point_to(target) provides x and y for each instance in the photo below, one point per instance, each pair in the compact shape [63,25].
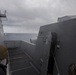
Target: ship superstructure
[53,53]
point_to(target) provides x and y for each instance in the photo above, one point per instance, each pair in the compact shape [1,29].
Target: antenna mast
[2,15]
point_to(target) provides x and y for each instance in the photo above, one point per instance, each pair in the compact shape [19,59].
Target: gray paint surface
[20,63]
[66,32]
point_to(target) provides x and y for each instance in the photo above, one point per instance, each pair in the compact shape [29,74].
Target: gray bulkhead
[66,54]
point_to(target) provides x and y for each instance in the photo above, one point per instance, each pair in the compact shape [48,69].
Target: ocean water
[20,36]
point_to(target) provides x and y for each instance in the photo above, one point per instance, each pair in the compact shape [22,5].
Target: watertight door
[45,56]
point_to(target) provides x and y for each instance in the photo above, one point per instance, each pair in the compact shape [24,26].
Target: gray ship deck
[20,63]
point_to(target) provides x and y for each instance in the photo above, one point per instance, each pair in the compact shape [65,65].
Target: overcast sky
[26,16]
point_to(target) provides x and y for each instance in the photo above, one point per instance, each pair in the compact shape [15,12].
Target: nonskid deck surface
[27,71]
[20,63]
[19,59]
[17,55]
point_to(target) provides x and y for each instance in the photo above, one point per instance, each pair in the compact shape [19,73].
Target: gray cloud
[29,15]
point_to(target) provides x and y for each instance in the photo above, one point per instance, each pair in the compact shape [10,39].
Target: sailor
[3,53]
[3,49]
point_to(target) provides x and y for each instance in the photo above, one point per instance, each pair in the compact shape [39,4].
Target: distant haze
[20,36]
